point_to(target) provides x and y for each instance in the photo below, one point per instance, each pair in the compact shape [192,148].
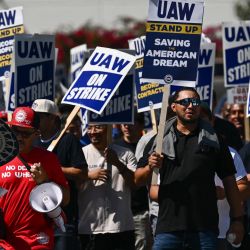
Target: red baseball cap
[23,117]
[3,115]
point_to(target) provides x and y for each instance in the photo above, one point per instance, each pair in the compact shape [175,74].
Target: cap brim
[19,125]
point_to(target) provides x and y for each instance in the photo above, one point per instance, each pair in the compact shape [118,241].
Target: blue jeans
[205,240]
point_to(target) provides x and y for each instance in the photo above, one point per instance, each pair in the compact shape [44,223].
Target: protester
[25,227]
[105,217]
[131,133]
[243,186]
[236,117]
[226,129]
[73,164]
[192,154]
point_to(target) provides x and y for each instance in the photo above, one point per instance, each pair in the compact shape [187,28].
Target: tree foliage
[242,9]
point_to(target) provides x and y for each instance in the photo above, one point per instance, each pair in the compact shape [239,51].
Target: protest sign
[173,34]
[237,95]
[146,93]
[236,53]
[34,68]
[120,108]
[99,79]
[205,74]
[77,59]
[11,23]
[205,78]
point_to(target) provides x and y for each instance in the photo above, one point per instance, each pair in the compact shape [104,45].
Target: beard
[188,121]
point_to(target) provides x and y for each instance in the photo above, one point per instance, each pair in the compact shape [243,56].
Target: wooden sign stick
[161,127]
[68,121]
[153,117]
[246,125]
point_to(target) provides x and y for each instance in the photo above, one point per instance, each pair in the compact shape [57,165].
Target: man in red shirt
[26,228]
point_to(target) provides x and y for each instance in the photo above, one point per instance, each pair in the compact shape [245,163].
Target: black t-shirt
[139,197]
[187,194]
[70,154]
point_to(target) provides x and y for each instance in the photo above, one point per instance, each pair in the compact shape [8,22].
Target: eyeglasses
[24,134]
[186,102]
[95,127]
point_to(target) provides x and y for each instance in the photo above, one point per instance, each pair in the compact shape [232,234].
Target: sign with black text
[173,34]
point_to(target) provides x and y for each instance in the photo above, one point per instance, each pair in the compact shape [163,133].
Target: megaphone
[46,198]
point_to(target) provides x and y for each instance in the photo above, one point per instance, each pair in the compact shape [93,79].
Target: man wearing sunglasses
[191,155]
[25,227]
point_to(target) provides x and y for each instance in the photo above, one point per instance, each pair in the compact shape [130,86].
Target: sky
[50,16]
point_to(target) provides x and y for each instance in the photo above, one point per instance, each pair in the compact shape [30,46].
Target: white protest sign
[77,60]
[11,23]
[99,79]
[173,37]
[236,53]
[237,95]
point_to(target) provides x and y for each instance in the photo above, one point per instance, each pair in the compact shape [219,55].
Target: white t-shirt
[105,207]
[223,206]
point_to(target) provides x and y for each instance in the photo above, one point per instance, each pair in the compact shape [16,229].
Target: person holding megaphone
[26,228]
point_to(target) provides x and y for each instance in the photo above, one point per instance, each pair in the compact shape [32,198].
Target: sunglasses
[23,134]
[186,102]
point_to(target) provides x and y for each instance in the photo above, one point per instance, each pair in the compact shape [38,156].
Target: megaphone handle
[24,163]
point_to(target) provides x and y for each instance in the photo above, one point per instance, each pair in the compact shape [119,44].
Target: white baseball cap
[45,106]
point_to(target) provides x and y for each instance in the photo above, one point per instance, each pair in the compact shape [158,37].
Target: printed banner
[236,53]
[173,34]
[34,68]
[99,79]
[205,74]
[77,59]
[237,95]
[11,23]
[146,93]
[120,108]
[205,78]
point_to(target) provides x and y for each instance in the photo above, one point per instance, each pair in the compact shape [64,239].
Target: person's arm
[40,176]
[112,158]
[153,192]
[143,175]
[236,208]
[74,173]
[244,188]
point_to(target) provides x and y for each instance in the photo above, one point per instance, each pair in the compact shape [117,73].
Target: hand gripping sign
[99,79]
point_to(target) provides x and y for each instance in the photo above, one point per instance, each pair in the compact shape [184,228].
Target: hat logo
[21,116]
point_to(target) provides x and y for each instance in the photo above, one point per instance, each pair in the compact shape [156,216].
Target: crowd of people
[199,202]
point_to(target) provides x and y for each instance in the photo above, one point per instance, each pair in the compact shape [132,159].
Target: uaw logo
[168,79]
[21,115]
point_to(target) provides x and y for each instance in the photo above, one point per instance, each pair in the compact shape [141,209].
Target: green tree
[242,9]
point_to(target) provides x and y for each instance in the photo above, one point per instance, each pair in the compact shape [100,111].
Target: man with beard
[191,155]
[105,217]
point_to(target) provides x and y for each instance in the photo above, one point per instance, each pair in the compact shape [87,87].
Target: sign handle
[246,123]
[161,127]
[153,117]
[68,121]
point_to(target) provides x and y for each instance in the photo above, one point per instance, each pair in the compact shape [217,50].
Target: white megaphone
[46,198]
